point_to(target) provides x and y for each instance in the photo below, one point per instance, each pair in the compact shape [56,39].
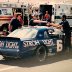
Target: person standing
[64,25]
[35,21]
[47,16]
[15,23]
[66,29]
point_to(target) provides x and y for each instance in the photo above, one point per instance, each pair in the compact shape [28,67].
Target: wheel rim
[41,53]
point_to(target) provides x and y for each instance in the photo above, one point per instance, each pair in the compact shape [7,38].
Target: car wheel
[41,53]
[5,57]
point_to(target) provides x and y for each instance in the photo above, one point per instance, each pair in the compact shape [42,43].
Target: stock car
[38,41]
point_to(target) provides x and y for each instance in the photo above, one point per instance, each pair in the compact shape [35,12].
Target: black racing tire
[41,53]
[5,57]
[8,58]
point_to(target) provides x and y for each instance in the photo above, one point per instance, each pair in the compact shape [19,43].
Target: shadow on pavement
[31,61]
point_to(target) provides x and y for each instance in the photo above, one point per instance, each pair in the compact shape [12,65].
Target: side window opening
[4,11]
[45,34]
[50,31]
[0,12]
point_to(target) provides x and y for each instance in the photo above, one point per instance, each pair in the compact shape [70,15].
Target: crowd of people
[40,19]
[63,25]
[34,19]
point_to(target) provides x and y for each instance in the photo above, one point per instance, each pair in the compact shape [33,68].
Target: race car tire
[5,57]
[41,53]
[10,58]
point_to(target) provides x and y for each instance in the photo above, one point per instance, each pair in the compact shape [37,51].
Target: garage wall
[39,1]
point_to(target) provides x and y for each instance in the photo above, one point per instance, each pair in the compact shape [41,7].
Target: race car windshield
[24,33]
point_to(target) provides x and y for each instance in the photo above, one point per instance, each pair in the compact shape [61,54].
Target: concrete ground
[59,63]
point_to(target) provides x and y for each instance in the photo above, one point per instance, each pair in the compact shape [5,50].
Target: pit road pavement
[59,63]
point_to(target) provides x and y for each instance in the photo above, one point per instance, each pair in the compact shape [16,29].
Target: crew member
[35,21]
[66,30]
[15,24]
[64,24]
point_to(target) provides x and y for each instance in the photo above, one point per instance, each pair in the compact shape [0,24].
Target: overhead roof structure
[37,2]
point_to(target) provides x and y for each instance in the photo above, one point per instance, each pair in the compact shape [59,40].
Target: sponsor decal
[9,44]
[37,42]
[2,43]
[48,42]
[12,45]
[31,43]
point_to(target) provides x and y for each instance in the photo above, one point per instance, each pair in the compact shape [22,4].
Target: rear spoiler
[9,38]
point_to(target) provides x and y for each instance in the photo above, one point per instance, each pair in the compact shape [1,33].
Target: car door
[43,36]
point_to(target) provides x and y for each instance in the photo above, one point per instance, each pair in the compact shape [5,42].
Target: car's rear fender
[9,46]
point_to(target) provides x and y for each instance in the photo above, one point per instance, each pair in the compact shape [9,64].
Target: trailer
[7,11]
[57,10]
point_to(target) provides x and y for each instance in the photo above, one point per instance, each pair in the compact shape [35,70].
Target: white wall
[39,1]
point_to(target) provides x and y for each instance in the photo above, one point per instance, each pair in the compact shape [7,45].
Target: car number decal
[59,45]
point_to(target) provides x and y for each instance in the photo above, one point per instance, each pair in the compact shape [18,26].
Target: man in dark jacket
[64,24]
[15,23]
[66,29]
